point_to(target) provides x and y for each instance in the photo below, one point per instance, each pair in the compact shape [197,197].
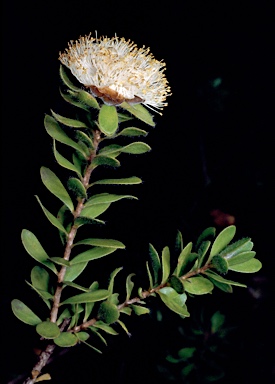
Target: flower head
[116,71]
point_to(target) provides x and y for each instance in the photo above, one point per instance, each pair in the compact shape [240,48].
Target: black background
[211,149]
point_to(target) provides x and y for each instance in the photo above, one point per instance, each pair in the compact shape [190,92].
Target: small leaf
[54,185]
[151,284]
[60,261]
[112,279]
[24,313]
[220,264]
[216,277]
[140,112]
[140,310]
[126,181]
[87,297]
[68,122]
[66,339]
[45,376]
[241,258]
[63,161]
[48,330]
[165,258]
[184,259]
[129,286]
[237,247]
[72,99]
[82,336]
[77,286]
[40,278]
[66,314]
[66,80]
[87,99]
[108,243]
[176,283]
[52,219]
[123,326]
[174,301]
[108,313]
[178,242]
[105,160]
[77,188]
[91,254]
[207,234]
[86,220]
[92,211]
[107,198]
[198,285]
[35,249]
[202,251]
[104,327]
[250,266]
[132,132]
[108,119]
[155,263]
[74,271]
[222,240]
[136,148]
[217,321]
[57,133]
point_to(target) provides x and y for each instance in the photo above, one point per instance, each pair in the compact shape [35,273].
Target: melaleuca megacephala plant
[116,81]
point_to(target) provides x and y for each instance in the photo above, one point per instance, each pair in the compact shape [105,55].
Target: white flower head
[116,71]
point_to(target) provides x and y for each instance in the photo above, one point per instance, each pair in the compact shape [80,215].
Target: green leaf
[89,306]
[85,139]
[66,314]
[86,220]
[176,283]
[66,339]
[183,259]
[77,188]
[92,211]
[217,321]
[53,220]
[77,286]
[87,297]
[24,313]
[46,296]
[82,336]
[186,353]
[241,258]
[220,279]
[104,327]
[60,261]
[250,266]
[126,310]
[71,98]
[123,326]
[48,330]
[140,310]
[54,185]
[91,254]
[222,240]
[40,278]
[109,243]
[136,148]
[108,119]
[112,150]
[105,160]
[202,251]
[61,160]
[107,198]
[57,133]
[140,112]
[128,181]
[108,313]
[207,234]
[151,284]
[178,242]
[87,99]
[237,247]
[122,117]
[165,258]
[112,279]
[174,301]
[198,285]
[35,249]
[220,264]
[74,271]
[66,80]
[129,286]
[155,263]
[132,132]
[68,122]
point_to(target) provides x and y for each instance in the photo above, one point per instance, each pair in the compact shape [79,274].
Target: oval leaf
[105,160]
[241,258]
[222,240]
[140,310]
[87,99]
[250,266]
[132,132]
[68,122]
[24,313]
[126,181]
[66,80]
[92,211]
[35,249]
[74,271]
[174,301]
[136,148]
[66,339]
[198,285]
[63,161]
[107,198]
[48,330]
[108,119]
[165,258]
[88,297]
[52,219]
[140,112]
[155,262]
[109,243]
[40,278]
[92,254]
[54,185]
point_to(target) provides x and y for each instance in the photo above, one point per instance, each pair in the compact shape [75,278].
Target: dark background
[211,150]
